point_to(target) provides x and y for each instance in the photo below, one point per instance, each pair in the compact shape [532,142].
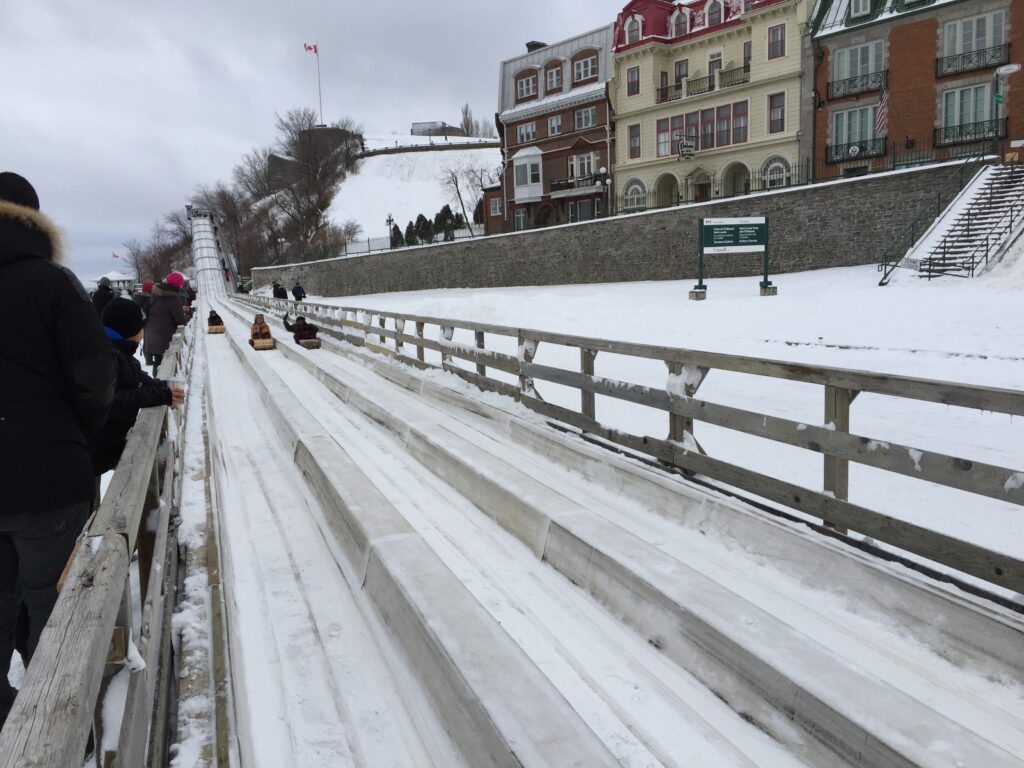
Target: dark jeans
[155,361]
[34,548]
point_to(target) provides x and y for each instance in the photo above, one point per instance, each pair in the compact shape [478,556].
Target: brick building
[936,62]
[706,97]
[555,134]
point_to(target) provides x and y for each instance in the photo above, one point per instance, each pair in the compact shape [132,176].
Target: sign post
[738,235]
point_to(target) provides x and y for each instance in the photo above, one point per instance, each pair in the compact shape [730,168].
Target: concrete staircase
[976,228]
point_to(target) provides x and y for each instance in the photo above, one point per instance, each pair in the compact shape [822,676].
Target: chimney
[535,45]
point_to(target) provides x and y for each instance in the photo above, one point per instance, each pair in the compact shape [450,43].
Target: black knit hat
[123,316]
[16,189]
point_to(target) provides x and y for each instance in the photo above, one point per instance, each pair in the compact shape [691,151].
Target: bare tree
[452,182]
[467,124]
[252,175]
[135,256]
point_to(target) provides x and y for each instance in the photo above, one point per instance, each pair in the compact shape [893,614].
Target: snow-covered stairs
[976,226]
[777,663]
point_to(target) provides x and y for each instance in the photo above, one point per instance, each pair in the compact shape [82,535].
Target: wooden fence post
[679,425]
[419,345]
[587,399]
[837,470]
[480,367]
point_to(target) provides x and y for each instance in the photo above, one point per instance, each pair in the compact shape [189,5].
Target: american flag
[883,111]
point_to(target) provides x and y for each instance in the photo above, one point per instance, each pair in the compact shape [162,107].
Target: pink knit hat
[175,280]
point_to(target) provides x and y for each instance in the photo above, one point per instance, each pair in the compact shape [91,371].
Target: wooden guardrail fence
[686,370]
[90,651]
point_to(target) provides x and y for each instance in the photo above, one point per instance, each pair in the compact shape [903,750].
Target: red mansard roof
[657,15]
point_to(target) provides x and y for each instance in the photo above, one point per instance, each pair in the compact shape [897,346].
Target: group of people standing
[71,388]
[278,291]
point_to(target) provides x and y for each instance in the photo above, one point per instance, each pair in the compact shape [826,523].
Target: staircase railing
[994,236]
[895,256]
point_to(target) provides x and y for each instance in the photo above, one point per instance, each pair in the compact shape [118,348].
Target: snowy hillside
[403,185]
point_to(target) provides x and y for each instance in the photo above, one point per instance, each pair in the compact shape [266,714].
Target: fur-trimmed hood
[27,232]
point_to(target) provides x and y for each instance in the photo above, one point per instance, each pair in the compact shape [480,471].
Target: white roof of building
[117,277]
[563,99]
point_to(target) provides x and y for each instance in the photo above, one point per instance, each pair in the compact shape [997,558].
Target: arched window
[634,195]
[714,13]
[775,173]
[678,25]
[633,30]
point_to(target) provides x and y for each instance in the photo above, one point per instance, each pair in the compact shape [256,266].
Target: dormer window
[585,69]
[633,30]
[713,13]
[554,79]
[678,25]
[860,8]
[526,86]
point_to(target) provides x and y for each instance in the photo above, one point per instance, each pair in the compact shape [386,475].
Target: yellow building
[706,99]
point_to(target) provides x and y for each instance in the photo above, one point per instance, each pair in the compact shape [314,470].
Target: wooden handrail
[835,441]
[87,639]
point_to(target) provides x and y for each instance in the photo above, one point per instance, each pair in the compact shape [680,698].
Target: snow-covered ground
[956,330]
[404,185]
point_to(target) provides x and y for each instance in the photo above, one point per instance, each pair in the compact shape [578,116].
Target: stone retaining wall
[835,224]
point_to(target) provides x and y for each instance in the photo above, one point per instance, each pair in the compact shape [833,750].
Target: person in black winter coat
[166,313]
[298,291]
[279,291]
[300,329]
[102,296]
[123,322]
[57,372]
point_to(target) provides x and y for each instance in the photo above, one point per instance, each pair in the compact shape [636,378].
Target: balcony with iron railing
[699,85]
[995,56]
[575,185]
[670,92]
[960,134]
[855,150]
[873,81]
[737,76]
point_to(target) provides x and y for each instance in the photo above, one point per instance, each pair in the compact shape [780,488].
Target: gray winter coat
[165,315]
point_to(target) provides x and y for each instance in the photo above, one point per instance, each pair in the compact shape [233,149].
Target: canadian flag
[312,48]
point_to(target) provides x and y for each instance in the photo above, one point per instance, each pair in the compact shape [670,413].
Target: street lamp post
[390,221]
[1002,75]
[604,180]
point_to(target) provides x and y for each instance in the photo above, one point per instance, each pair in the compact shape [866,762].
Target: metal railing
[873,81]
[959,134]
[965,264]
[700,85]
[855,150]
[895,255]
[577,182]
[408,338]
[670,92]
[737,76]
[972,60]
[90,636]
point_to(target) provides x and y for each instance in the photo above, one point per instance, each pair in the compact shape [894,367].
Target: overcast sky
[116,110]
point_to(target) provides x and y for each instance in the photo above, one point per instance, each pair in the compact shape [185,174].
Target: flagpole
[319,91]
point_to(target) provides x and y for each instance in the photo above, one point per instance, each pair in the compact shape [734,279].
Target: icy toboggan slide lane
[416,574]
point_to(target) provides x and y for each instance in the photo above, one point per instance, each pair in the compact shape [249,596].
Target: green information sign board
[736,235]
[998,98]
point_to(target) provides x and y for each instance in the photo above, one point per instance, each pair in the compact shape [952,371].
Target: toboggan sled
[262,343]
[310,343]
[215,329]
